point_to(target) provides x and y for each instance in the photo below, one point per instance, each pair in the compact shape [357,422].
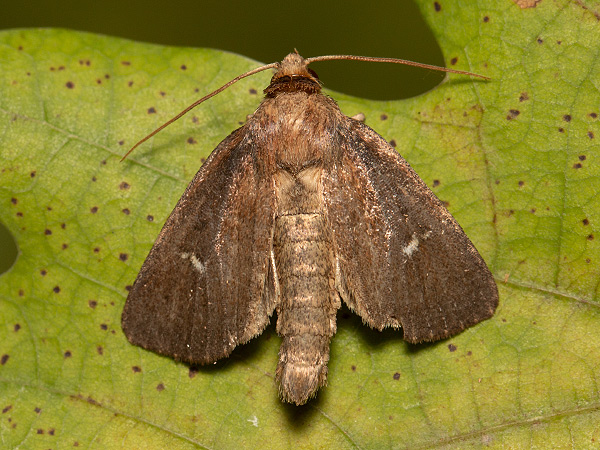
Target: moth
[299,209]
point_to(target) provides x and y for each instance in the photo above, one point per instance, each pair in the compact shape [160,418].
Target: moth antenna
[196,103]
[392,60]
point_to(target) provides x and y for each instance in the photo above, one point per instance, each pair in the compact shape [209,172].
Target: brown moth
[298,209]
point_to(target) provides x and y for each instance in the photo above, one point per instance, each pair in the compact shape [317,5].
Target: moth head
[292,75]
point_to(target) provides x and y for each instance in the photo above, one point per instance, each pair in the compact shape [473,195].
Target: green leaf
[515,158]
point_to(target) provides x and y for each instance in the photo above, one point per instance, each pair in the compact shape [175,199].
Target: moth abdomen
[308,304]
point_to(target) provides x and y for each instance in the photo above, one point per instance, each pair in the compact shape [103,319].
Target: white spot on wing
[412,246]
[201,268]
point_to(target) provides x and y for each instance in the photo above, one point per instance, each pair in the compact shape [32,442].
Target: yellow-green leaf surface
[516,159]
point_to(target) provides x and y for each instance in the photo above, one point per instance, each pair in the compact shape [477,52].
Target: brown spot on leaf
[585,221]
[92,303]
[486,19]
[192,372]
[452,347]
[123,256]
[590,134]
[4,359]
[567,117]
[561,130]
[393,143]
[40,431]
[593,115]
[160,387]
[396,376]
[590,237]
[47,232]
[37,410]
[14,201]
[524,4]
[383,117]
[521,183]
[577,166]
[252,91]
[436,183]
[56,289]
[437,6]
[150,218]
[126,211]
[191,140]
[453,61]
[151,110]
[126,63]
[124,185]
[582,157]
[103,326]
[524,96]
[100,350]
[17,327]
[136,369]
[512,113]
[94,209]
[96,250]
[70,85]
[21,293]
[65,246]
[6,409]
[540,41]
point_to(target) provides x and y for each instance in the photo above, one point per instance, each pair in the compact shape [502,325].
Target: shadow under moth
[298,209]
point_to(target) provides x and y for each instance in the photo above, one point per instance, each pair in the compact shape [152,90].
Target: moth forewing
[296,209]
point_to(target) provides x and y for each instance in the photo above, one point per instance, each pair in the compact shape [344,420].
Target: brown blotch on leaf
[582,157]
[151,110]
[32,174]
[393,143]
[123,256]
[4,359]
[150,218]
[136,369]
[521,183]
[96,250]
[94,209]
[56,289]
[37,410]
[103,326]
[532,210]
[160,387]
[192,372]
[453,61]
[70,85]
[524,96]
[126,211]
[540,41]
[452,347]
[65,246]
[21,293]
[593,115]
[566,117]
[14,201]
[191,140]
[577,166]
[585,221]
[396,376]
[47,232]
[94,178]
[124,185]
[17,327]
[40,431]
[252,91]
[121,142]
[524,4]
[437,6]
[92,303]
[486,19]
[6,409]
[383,117]
[68,354]
[590,237]
[100,350]
[128,287]
[130,83]
[63,225]
[590,134]
[436,183]
[51,431]
[512,113]
[561,130]
[126,63]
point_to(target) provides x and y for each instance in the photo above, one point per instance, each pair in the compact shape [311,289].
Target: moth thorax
[307,306]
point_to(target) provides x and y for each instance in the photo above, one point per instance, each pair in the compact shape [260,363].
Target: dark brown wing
[403,261]
[203,288]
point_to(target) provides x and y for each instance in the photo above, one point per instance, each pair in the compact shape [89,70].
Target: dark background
[262,30]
